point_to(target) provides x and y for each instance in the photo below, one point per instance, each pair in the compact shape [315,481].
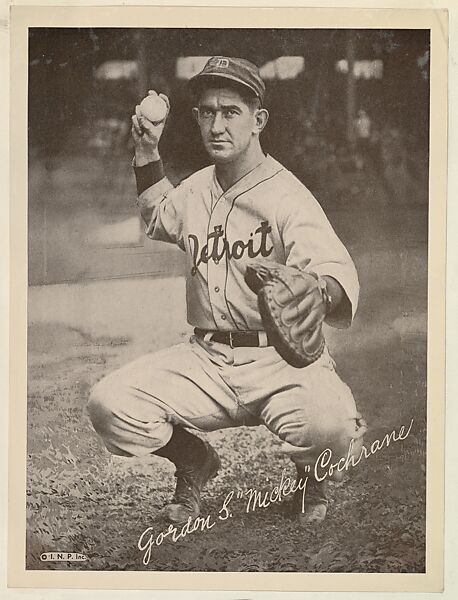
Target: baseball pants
[207,386]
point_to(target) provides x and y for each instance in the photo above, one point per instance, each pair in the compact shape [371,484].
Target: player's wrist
[148,174]
[143,158]
[325,295]
[331,292]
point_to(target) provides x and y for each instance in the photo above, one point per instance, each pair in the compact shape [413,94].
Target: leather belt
[235,339]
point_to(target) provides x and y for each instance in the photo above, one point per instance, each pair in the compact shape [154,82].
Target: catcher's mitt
[280,287]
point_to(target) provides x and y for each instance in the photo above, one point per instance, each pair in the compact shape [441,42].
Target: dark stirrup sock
[182,447]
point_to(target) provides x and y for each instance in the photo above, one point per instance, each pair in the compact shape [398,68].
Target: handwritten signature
[255,499]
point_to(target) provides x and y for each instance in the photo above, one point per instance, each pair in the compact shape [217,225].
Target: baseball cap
[239,70]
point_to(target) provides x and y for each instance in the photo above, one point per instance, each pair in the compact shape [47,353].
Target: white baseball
[153,108]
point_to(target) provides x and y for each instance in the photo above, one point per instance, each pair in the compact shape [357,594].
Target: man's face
[227,125]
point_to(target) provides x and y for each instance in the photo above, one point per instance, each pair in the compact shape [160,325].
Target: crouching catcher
[243,216]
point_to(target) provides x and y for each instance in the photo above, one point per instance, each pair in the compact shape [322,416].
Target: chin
[221,156]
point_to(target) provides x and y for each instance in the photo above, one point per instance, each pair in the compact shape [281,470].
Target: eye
[230,112]
[205,113]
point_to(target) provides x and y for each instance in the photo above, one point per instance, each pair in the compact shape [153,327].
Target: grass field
[80,498]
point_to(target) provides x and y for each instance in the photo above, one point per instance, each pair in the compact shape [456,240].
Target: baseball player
[244,206]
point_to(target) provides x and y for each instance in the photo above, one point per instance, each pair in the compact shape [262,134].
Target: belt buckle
[230,340]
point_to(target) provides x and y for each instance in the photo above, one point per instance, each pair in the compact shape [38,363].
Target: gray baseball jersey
[268,214]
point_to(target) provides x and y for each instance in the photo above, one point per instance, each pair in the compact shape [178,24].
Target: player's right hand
[146,135]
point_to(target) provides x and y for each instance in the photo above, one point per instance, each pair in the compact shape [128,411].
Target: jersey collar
[265,170]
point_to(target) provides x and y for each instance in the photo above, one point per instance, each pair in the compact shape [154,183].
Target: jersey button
[223,317]
[216,289]
[216,261]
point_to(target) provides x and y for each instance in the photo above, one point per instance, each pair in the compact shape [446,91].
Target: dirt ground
[82,499]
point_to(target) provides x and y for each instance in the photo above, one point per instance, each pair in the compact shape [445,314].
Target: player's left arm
[307,234]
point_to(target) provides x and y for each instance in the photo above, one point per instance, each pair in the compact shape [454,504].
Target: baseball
[153,108]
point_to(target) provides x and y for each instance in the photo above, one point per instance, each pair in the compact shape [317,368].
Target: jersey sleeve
[161,205]
[307,233]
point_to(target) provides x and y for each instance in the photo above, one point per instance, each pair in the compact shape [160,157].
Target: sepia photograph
[227,299]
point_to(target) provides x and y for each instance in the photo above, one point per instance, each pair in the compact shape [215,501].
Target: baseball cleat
[310,505]
[313,513]
[191,479]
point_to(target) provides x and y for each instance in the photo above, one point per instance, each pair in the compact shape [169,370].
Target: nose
[218,125]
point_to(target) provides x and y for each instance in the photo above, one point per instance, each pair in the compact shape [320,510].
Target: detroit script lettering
[217,246]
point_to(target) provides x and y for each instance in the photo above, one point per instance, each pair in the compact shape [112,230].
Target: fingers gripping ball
[153,108]
[280,289]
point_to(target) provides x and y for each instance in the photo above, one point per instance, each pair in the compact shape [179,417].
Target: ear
[195,113]
[262,116]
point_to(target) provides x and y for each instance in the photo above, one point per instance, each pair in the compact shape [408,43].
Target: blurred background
[349,116]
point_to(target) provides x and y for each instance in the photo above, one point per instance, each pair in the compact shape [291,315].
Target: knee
[126,426]
[324,431]
[333,431]
[102,405]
